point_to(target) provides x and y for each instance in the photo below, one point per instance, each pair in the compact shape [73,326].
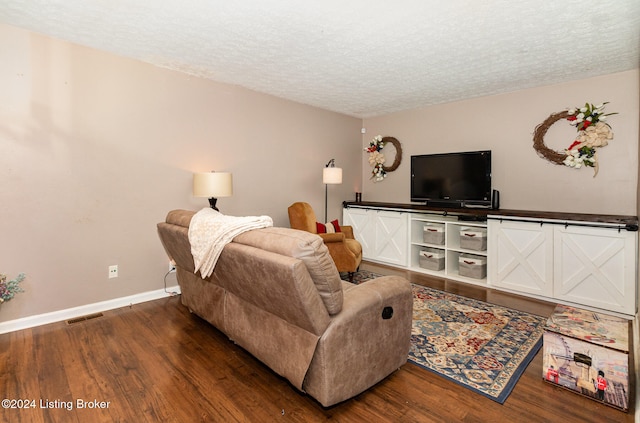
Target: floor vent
[83,318]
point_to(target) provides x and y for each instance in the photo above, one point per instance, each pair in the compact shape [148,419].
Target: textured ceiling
[358,57]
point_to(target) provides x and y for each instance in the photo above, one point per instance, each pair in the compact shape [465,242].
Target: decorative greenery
[593,132]
[588,115]
[578,157]
[9,289]
[377,159]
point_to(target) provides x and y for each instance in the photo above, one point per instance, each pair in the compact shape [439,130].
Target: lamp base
[212,203]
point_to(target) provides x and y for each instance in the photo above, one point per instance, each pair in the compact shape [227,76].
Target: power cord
[172,293]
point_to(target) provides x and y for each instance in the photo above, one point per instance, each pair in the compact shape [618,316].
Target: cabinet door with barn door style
[363,228]
[596,267]
[391,237]
[383,234]
[521,256]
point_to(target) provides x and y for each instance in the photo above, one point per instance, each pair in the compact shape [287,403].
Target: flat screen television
[452,179]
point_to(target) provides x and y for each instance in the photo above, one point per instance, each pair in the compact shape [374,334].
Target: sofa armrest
[364,343]
[332,237]
[348,231]
[366,302]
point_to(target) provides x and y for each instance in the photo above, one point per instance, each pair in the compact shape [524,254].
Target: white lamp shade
[212,184]
[332,175]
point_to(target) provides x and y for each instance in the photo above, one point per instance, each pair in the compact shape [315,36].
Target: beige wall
[505,124]
[95,149]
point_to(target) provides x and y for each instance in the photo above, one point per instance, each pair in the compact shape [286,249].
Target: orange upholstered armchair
[343,247]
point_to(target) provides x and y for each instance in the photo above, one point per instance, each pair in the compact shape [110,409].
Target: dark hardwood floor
[155,362]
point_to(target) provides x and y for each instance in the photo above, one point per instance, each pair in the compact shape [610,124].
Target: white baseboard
[70,313]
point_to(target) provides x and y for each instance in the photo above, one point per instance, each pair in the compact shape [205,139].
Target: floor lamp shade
[332,175]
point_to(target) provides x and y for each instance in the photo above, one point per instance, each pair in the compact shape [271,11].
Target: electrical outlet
[172,267]
[113,271]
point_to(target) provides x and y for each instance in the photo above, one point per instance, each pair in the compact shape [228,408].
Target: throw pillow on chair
[329,227]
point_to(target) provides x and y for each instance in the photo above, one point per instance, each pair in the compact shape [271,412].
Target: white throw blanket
[210,231]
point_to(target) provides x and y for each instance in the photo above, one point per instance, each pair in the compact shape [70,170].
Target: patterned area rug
[481,346]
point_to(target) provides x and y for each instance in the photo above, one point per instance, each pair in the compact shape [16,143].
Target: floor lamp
[330,175]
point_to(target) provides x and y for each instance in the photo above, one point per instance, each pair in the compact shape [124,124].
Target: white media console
[588,261]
